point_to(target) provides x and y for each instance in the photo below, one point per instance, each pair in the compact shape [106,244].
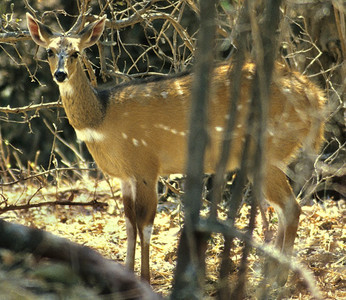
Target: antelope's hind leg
[279,194]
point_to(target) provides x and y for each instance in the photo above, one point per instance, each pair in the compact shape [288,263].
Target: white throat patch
[89,135]
[65,88]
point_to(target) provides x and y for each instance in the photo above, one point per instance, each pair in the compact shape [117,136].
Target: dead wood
[96,271]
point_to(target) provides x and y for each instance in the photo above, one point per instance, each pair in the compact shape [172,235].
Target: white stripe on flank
[89,135]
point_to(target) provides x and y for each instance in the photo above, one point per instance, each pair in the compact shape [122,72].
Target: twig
[138,16]
[175,190]
[340,25]
[51,203]
[179,29]
[30,107]
[14,37]
[231,231]
[42,174]
[30,8]
[74,150]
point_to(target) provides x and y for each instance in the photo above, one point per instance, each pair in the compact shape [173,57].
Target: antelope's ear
[40,33]
[91,33]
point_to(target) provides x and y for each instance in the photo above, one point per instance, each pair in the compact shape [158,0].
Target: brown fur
[140,131]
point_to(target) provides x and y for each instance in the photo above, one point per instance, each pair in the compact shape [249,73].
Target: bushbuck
[137,131]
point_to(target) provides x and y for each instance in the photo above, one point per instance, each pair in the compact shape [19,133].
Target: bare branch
[37,175]
[14,37]
[28,205]
[30,107]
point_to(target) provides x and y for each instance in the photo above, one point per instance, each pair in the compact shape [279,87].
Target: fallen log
[105,275]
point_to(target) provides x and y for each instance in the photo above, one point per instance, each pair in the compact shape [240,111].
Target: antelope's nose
[60,76]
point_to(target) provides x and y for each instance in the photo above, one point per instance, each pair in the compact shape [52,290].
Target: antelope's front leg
[145,208]
[128,189]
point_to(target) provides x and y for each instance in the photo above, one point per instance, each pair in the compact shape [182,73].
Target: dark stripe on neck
[103,95]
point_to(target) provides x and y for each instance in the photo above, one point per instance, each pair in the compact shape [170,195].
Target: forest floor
[319,247]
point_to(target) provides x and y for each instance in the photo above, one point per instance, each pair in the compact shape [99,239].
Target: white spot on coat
[179,89]
[219,129]
[162,126]
[124,135]
[135,142]
[167,128]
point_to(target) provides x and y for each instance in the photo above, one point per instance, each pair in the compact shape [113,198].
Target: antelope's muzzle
[60,74]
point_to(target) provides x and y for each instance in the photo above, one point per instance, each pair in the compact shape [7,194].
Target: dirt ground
[319,248]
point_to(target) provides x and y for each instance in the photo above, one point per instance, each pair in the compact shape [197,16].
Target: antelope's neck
[82,107]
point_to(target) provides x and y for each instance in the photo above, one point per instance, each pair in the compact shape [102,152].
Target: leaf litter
[319,247]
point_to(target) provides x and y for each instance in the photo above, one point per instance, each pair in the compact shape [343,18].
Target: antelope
[138,131]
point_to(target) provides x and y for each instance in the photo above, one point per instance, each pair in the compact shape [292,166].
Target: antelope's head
[63,49]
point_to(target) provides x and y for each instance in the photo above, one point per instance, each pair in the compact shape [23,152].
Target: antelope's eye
[74,54]
[50,52]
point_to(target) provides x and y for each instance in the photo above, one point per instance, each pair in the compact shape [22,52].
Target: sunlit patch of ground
[320,245]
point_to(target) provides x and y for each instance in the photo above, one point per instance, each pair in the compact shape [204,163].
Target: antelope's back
[295,117]
[147,122]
